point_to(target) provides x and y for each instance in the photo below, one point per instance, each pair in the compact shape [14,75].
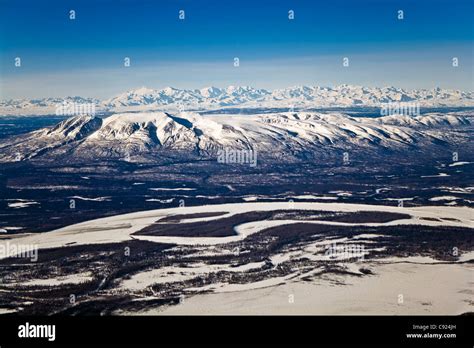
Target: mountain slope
[286,136]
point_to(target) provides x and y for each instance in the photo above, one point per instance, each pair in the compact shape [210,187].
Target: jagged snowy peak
[45,102]
[246,91]
[207,96]
[346,95]
[44,106]
[186,131]
[146,96]
[211,92]
[309,96]
[45,141]
[75,128]
[152,135]
[170,98]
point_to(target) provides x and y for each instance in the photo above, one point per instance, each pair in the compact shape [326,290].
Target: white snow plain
[119,228]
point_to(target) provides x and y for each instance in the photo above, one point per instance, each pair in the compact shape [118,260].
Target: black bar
[261,330]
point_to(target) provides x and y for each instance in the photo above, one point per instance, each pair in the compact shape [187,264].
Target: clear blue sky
[85,56]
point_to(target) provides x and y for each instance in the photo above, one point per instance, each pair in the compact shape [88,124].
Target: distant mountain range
[212,97]
[287,136]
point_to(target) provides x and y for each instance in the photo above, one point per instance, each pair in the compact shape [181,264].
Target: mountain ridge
[245,96]
[295,136]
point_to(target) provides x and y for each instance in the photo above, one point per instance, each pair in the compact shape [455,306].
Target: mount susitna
[285,136]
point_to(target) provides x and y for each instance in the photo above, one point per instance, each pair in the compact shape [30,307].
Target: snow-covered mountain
[209,96]
[306,96]
[42,106]
[155,136]
[302,97]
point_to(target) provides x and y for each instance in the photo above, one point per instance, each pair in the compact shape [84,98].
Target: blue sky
[85,56]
